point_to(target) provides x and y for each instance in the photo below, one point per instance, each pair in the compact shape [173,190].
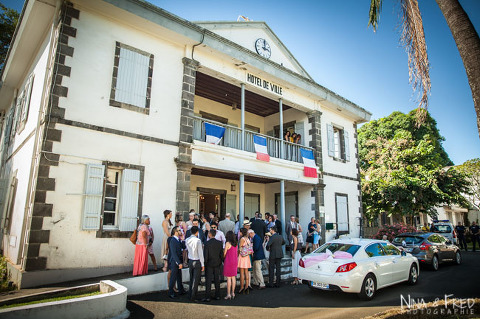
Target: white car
[357,265]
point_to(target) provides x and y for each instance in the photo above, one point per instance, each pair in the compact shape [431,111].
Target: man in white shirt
[220,236]
[195,262]
[226,225]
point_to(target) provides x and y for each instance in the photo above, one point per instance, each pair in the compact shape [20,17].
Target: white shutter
[130,190]
[3,197]
[342,213]
[92,207]
[26,102]
[299,129]
[231,205]
[132,78]
[194,195]
[331,142]
[346,141]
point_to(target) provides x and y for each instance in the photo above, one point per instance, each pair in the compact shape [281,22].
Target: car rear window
[409,240]
[333,247]
[443,229]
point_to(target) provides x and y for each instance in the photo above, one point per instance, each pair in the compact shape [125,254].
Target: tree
[413,38]
[471,169]
[8,22]
[404,168]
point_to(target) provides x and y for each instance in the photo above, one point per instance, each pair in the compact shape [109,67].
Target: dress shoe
[269,286]
[277,285]
[206,300]
[217,298]
[181,293]
[261,287]
[194,300]
[172,297]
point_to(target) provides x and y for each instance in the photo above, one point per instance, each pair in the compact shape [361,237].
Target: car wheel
[369,288]
[413,275]
[435,262]
[458,258]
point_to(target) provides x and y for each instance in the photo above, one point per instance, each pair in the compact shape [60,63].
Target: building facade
[105,105]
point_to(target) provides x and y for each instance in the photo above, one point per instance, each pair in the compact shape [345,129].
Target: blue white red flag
[310,169]
[261,148]
[214,133]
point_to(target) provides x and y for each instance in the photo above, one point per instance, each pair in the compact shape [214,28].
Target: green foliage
[404,168]
[8,22]
[393,231]
[471,169]
[4,276]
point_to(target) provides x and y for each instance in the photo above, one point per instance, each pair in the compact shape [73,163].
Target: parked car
[429,248]
[446,228]
[360,266]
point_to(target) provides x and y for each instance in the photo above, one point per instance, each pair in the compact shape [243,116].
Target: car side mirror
[404,253]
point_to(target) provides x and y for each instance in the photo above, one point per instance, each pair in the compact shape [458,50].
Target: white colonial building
[104,104]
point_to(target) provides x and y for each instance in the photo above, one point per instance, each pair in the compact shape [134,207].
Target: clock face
[263,48]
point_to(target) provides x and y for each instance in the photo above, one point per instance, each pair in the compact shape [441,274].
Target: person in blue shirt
[258,256]
[460,229]
[475,233]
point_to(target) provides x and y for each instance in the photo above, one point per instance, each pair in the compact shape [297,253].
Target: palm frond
[413,39]
[374,14]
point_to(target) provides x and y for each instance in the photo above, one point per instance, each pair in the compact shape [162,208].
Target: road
[300,302]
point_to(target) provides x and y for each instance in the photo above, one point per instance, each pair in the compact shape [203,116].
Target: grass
[51,300]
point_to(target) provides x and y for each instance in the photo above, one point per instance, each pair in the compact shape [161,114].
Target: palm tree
[413,38]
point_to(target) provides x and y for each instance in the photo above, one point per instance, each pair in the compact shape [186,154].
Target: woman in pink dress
[230,263]
[140,262]
[244,251]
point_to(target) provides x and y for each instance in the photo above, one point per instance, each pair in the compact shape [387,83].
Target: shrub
[393,230]
[5,284]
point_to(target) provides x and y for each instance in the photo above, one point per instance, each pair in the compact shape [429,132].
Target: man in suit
[226,225]
[274,246]
[259,226]
[201,234]
[258,256]
[278,224]
[213,256]
[175,262]
[289,226]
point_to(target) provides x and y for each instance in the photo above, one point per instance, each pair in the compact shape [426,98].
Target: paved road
[300,302]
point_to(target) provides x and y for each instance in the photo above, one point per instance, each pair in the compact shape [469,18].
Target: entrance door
[231,206]
[341,202]
[291,204]
[212,200]
[252,204]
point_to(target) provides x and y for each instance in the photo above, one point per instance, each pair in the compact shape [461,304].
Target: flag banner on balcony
[261,148]
[310,169]
[213,133]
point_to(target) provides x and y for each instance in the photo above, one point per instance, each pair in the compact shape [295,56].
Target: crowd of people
[292,137]
[223,248]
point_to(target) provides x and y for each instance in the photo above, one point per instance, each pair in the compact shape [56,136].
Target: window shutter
[331,143]
[130,190]
[92,207]
[194,195]
[26,103]
[299,129]
[8,126]
[346,144]
[3,197]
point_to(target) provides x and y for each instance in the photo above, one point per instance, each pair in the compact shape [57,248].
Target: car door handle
[377,265]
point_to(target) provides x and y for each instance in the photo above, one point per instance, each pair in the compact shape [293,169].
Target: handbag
[133,238]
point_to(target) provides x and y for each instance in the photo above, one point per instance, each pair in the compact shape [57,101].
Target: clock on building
[263,48]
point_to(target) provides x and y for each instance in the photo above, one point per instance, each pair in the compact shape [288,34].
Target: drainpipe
[241,194]
[280,134]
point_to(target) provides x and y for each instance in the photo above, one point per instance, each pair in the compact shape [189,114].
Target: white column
[282,211]
[243,115]
[241,191]
[280,106]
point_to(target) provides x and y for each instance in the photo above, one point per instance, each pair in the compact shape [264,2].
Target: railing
[233,138]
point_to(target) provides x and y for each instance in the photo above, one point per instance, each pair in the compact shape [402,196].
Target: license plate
[320,285]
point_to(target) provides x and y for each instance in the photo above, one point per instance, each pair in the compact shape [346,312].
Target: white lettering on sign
[264,84]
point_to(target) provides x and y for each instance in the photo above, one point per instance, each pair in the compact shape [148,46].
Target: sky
[331,40]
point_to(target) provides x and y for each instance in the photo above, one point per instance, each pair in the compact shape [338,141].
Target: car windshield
[409,240]
[443,229]
[333,247]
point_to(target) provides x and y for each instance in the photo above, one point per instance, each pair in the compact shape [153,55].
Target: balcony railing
[233,138]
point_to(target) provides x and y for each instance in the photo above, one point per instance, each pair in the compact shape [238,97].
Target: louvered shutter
[299,129]
[92,207]
[3,197]
[130,190]
[331,142]
[346,142]
[26,102]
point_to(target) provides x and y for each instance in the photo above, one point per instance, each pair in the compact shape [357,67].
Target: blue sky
[331,41]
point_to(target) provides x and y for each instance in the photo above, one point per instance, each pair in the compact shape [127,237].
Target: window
[338,143]
[390,249]
[333,247]
[374,250]
[132,78]
[112,197]
[23,105]
[12,192]
[341,203]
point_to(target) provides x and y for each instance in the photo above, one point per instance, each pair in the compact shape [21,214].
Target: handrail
[232,138]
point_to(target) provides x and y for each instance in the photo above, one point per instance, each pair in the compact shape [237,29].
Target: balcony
[233,139]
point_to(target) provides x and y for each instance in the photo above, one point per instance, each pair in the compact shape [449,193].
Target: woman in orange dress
[244,251]
[140,262]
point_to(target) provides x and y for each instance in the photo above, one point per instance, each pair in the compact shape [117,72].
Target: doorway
[212,200]
[291,204]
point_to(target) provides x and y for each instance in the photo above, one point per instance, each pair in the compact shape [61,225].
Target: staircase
[286,274]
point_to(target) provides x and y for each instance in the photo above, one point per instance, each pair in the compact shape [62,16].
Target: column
[241,195]
[280,106]
[282,211]
[243,115]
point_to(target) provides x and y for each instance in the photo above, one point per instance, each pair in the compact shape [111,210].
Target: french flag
[310,169]
[214,133]
[261,148]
